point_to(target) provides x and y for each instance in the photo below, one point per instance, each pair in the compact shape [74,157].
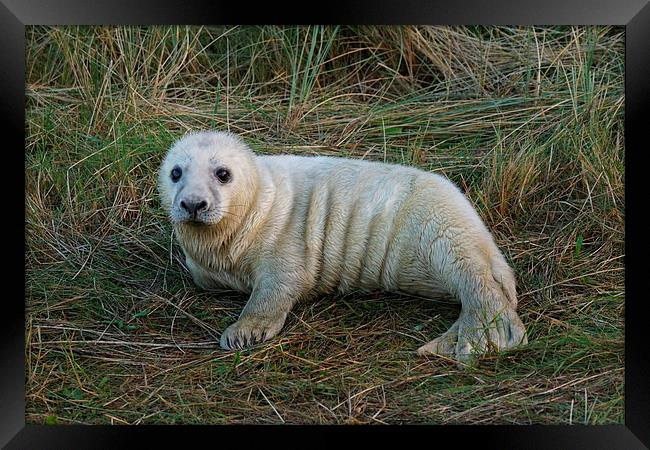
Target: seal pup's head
[207,179]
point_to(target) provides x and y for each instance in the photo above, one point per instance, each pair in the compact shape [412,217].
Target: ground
[527,121]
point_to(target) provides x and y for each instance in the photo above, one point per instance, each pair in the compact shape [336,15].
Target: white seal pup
[286,228]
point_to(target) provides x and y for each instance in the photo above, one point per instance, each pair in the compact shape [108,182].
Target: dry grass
[528,121]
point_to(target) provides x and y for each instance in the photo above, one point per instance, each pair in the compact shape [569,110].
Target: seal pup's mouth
[198,221]
[194,222]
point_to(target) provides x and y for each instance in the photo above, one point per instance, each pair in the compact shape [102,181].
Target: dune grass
[527,121]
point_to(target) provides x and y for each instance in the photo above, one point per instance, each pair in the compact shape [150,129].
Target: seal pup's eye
[223,175]
[176,174]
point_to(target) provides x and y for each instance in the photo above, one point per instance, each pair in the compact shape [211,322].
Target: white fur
[288,228]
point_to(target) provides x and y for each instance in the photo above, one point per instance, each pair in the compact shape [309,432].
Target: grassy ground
[528,121]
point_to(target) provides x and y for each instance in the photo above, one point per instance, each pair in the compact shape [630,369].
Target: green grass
[527,121]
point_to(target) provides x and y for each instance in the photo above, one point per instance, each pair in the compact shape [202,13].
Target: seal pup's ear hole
[176,174]
[223,175]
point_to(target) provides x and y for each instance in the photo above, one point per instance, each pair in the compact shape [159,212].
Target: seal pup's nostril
[193,207]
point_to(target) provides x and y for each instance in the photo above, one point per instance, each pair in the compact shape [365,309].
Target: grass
[527,121]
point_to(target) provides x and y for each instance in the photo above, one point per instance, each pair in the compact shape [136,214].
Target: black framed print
[402,214]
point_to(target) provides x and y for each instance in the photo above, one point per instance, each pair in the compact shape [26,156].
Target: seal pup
[287,228]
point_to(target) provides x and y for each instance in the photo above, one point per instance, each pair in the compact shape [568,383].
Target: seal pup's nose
[193,206]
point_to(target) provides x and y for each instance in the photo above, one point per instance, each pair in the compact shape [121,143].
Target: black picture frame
[633,14]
